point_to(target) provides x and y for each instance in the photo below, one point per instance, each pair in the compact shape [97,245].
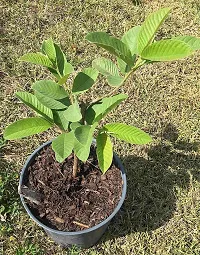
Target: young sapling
[57,103]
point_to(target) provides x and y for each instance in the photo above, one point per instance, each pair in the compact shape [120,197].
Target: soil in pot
[72,204]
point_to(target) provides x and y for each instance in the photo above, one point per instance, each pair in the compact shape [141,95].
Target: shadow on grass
[151,193]
[136,2]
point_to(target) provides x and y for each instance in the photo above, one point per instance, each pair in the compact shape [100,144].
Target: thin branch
[93,165]
[75,166]
[80,224]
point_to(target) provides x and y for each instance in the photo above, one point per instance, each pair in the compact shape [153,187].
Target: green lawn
[161,214]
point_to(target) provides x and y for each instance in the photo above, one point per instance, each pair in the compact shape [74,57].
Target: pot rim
[72,233]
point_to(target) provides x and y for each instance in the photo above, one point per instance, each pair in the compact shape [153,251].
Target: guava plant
[58,103]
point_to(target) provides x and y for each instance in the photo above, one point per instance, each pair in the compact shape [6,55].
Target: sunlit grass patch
[161,212]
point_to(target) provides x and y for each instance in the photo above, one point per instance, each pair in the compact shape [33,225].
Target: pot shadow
[151,187]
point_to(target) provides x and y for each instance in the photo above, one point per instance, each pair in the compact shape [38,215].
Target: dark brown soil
[73,204]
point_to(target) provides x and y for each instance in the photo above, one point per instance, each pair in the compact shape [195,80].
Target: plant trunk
[75,166]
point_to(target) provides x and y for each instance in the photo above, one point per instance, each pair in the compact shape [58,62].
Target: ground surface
[161,214]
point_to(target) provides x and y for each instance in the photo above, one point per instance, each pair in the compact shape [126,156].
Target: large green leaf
[50,89]
[127,133]
[26,127]
[130,38]
[63,146]
[51,94]
[167,50]
[53,103]
[37,58]
[49,49]
[192,41]
[104,151]
[73,113]
[81,133]
[82,151]
[150,27]
[63,66]
[111,44]
[84,80]
[32,101]
[60,119]
[97,111]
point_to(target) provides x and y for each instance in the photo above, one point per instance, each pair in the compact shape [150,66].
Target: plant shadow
[151,192]
[136,2]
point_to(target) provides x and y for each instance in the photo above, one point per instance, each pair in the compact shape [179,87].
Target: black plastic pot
[85,238]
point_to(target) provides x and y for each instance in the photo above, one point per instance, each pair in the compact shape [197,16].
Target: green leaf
[193,42]
[26,127]
[130,38]
[53,103]
[51,94]
[109,69]
[97,111]
[63,66]
[105,66]
[62,80]
[104,151]
[63,146]
[60,119]
[127,133]
[91,72]
[124,68]
[111,44]
[150,27]
[50,88]
[54,72]
[115,81]
[81,133]
[74,125]
[32,101]
[68,69]
[49,49]
[84,80]
[167,50]
[37,58]
[73,113]
[83,151]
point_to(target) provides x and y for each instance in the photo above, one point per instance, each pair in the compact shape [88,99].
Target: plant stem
[75,166]
[83,106]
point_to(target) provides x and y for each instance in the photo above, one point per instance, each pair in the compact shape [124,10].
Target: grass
[161,214]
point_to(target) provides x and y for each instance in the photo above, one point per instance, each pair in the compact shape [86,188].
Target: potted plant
[73,186]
